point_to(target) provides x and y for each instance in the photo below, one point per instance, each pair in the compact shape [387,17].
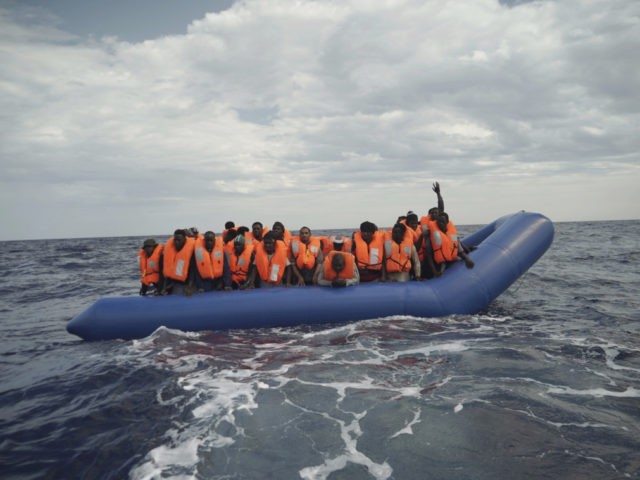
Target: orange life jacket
[347,273]
[398,257]
[369,256]
[427,224]
[271,270]
[239,265]
[445,244]
[176,264]
[286,237]
[210,264]
[305,255]
[325,246]
[150,266]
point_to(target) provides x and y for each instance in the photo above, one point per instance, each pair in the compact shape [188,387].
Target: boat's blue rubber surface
[506,248]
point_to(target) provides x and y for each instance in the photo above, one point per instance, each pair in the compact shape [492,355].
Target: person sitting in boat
[400,254]
[240,259]
[368,248]
[150,260]
[446,246]
[179,265]
[306,257]
[338,270]
[231,235]
[281,233]
[256,234]
[270,264]
[211,263]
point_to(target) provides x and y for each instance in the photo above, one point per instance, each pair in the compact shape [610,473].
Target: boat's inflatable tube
[505,249]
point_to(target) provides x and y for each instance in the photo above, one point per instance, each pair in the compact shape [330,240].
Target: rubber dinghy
[505,249]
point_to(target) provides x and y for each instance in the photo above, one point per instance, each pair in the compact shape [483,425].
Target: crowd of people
[242,258]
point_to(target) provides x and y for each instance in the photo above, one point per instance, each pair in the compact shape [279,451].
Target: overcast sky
[139,117]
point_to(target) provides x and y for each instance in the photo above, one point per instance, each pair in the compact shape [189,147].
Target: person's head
[338,242]
[256,229]
[278,230]
[367,229]
[434,212]
[337,263]
[179,239]
[269,242]
[238,244]
[401,218]
[443,221]
[229,224]
[242,230]
[305,234]
[412,220]
[149,246]
[209,240]
[397,232]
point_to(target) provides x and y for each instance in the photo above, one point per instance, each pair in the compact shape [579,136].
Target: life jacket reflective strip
[210,264]
[347,273]
[239,265]
[369,256]
[150,266]
[398,257]
[305,256]
[445,244]
[176,264]
[346,243]
[271,270]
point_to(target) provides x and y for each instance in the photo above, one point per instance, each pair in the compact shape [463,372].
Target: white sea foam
[408,428]
[630,392]
[183,454]
[349,432]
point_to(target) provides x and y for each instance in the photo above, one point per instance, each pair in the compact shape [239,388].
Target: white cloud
[322,113]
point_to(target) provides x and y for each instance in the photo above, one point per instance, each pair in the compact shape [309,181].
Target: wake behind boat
[502,251]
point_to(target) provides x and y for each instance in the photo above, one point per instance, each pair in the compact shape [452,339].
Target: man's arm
[436,188]
[415,260]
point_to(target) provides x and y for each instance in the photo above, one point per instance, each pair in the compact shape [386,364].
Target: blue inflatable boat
[504,250]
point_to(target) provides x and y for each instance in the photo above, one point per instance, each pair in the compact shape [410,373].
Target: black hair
[368,227]
[400,226]
[229,225]
[230,235]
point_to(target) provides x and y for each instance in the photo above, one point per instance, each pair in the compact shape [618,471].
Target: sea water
[544,384]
